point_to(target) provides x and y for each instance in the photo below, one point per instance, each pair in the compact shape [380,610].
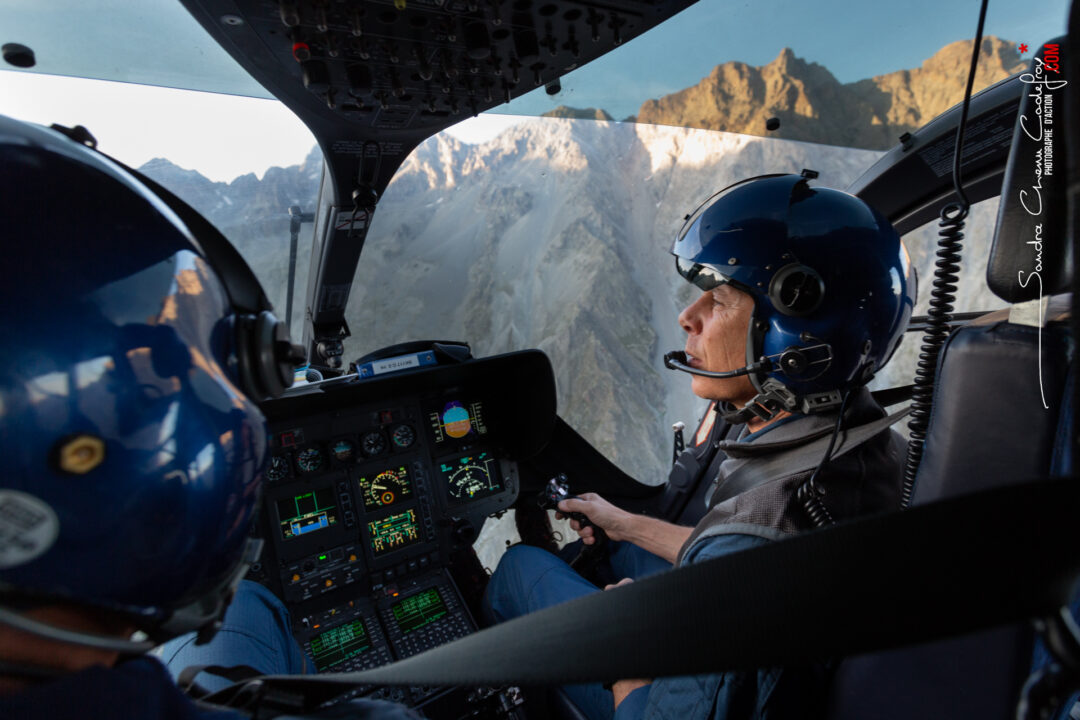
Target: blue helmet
[133,451]
[832,284]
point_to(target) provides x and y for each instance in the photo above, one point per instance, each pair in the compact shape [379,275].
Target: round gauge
[343,450]
[373,443]
[403,436]
[310,460]
[279,468]
[386,488]
[468,481]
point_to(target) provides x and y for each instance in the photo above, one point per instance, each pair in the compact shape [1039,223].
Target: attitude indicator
[457,420]
[471,477]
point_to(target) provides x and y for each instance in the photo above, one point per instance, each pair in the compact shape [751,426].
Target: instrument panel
[363,491]
[373,489]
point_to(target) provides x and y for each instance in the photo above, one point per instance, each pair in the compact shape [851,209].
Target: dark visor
[703,276]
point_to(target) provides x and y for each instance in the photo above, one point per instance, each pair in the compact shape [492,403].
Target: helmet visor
[705,277]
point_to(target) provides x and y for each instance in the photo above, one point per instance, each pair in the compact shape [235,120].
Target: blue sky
[854,39]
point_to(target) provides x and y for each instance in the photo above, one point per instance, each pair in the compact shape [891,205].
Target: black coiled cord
[946,273]
[810,493]
[942,297]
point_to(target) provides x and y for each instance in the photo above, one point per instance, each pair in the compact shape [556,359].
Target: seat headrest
[1031,255]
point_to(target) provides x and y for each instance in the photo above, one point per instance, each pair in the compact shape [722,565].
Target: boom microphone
[677,360]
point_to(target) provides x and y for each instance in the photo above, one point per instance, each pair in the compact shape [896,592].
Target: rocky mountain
[577,113]
[813,105]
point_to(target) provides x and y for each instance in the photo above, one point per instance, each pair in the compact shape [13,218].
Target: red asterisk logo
[1023,48]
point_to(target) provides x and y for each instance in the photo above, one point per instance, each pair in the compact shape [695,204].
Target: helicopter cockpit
[401,466]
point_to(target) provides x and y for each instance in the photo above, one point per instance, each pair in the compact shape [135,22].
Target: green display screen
[307,513]
[337,645]
[393,531]
[419,610]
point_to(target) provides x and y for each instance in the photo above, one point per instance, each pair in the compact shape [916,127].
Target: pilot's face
[716,325]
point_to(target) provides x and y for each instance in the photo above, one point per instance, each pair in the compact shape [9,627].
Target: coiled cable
[810,493]
[943,295]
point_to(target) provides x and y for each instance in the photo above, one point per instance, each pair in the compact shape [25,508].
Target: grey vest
[755,492]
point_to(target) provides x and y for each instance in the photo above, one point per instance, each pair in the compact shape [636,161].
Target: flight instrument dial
[343,450]
[403,436]
[279,468]
[310,460]
[385,488]
[373,443]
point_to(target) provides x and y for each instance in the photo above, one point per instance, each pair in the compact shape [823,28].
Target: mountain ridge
[813,106]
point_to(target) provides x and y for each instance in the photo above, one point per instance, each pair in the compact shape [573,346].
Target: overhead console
[375,484]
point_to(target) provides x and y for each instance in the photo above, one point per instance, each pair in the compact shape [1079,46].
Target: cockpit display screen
[419,610]
[307,513]
[471,477]
[393,532]
[455,420]
[385,488]
[337,645]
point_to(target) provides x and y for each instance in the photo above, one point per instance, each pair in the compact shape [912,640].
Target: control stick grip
[557,490]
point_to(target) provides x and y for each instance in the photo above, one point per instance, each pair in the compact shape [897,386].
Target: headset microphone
[677,360]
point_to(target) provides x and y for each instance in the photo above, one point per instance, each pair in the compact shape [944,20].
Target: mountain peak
[814,106]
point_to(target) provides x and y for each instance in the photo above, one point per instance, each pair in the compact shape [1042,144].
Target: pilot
[804,295]
[133,455]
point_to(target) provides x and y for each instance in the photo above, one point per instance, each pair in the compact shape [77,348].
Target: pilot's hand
[614,521]
[624,581]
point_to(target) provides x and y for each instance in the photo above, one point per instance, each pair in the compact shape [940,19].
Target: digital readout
[386,488]
[393,532]
[455,420]
[307,513]
[337,645]
[471,477]
[419,610]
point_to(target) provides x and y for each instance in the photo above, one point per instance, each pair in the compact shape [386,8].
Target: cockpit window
[242,162]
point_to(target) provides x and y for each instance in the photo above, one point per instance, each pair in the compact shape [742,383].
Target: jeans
[530,579]
[255,633]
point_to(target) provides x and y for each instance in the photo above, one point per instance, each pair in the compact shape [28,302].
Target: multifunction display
[385,488]
[307,513]
[419,610]
[337,645]
[471,477]
[454,420]
[393,531]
